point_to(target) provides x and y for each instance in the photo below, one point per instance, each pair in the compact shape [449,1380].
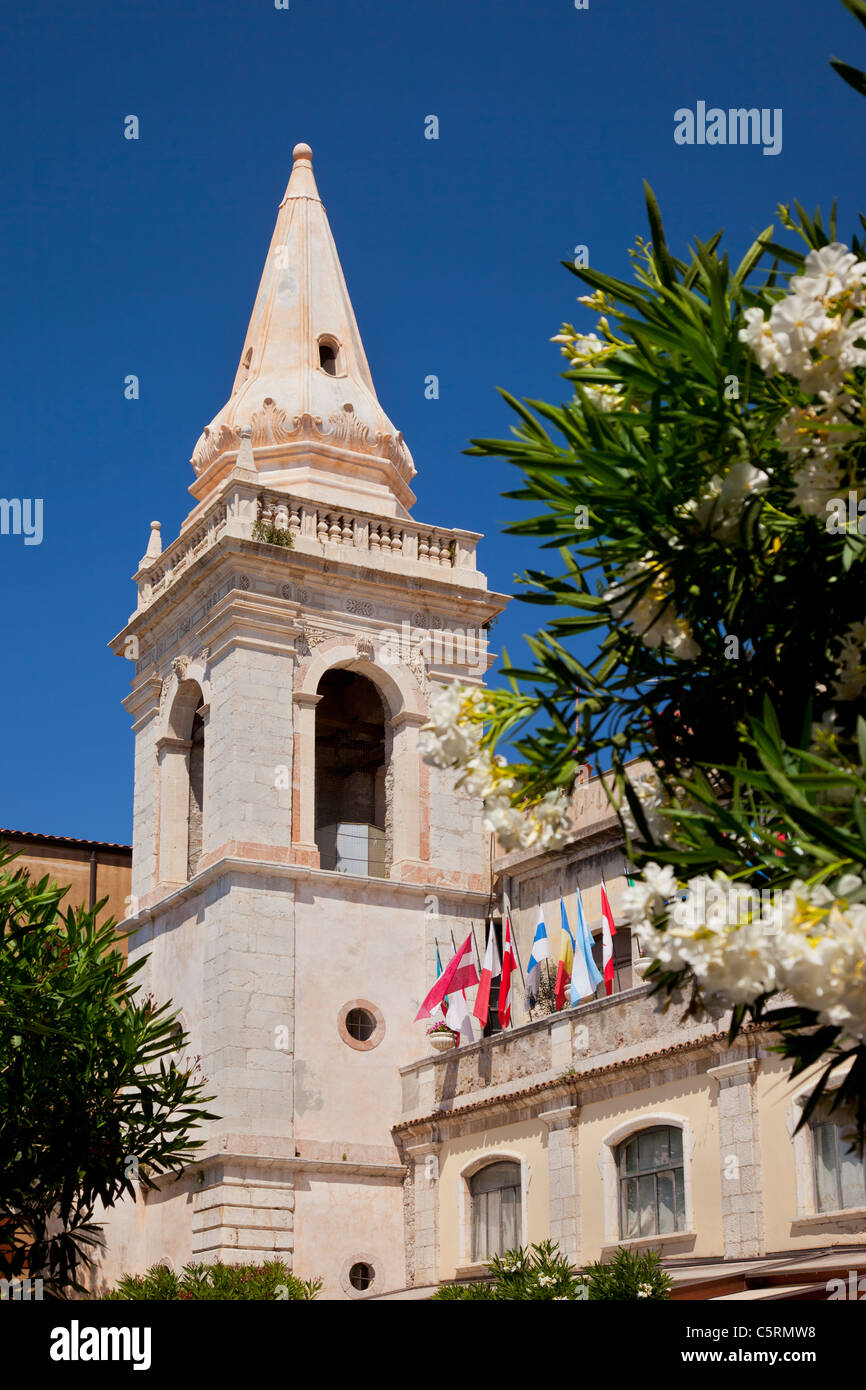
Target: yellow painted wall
[527,1141]
[694,1100]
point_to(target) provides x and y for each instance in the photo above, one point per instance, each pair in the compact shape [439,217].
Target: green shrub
[630,1274]
[541,1272]
[534,1273]
[475,1290]
[273,535]
[230,1283]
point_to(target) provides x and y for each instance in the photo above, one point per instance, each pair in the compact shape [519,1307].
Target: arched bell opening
[352,783]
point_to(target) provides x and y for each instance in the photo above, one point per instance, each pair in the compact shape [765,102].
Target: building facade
[617,1124]
[297,869]
[91,869]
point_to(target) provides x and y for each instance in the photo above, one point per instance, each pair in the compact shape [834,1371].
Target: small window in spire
[248,357]
[328,355]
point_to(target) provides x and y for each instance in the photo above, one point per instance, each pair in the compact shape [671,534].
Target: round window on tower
[361,1025]
[358,1275]
[361,1276]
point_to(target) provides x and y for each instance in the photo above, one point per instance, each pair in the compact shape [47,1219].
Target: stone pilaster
[739,1158]
[562,1143]
[424,1159]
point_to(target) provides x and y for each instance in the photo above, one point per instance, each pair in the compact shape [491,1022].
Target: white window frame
[610,1176]
[804,1161]
[465,1197]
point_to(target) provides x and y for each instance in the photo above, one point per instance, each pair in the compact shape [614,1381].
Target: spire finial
[302,183]
[154,545]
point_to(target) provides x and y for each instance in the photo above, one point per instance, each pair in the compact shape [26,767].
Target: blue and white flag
[585,974]
[540,951]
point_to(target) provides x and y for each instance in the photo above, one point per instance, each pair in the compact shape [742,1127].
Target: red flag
[458,974]
[508,965]
[608,932]
[490,968]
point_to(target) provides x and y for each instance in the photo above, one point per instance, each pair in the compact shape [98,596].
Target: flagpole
[478,960]
[506,912]
[439,964]
[516,951]
[520,968]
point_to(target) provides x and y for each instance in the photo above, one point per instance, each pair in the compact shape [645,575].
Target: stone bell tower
[295,862]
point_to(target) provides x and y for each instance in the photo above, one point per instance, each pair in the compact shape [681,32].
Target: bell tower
[295,862]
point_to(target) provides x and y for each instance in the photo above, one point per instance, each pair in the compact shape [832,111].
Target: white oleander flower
[811,333]
[830,271]
[758,335]
[797,323]
[808,940]
[817,432]
[722,500]
[549,821]
[649,610]
[605,398]
[651,796]
[662,881]
[816,484]
[450,738]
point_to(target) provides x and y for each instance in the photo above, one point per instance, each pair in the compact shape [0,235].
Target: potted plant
[441,1036]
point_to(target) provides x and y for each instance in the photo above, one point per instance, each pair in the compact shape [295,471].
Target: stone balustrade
[363,531]
[314,528]
[567,1044]
[157,576]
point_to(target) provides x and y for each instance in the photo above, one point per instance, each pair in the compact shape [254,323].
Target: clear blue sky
[143,257]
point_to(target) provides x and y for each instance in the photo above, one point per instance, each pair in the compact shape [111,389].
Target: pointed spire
[303,385]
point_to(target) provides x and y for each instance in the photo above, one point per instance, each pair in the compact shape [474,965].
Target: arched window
[196,795]
[496,1220]
[350,775]
[329,351]
[182,760]
[650,1175]
[840,1174]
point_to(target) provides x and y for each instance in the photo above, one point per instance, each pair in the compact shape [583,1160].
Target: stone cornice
[744,1069]
[371,577]
[228,863]
[569,1087]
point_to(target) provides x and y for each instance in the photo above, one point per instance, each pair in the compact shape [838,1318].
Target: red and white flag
[608,932]
[508,967]
[459,974]
[489,969]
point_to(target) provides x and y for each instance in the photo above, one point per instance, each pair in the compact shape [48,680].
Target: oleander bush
[541,1273]
[271,1282]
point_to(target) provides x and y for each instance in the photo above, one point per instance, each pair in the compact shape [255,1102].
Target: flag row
[577,975]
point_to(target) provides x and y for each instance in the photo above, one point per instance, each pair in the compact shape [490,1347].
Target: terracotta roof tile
[38,836]
[575,1082]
